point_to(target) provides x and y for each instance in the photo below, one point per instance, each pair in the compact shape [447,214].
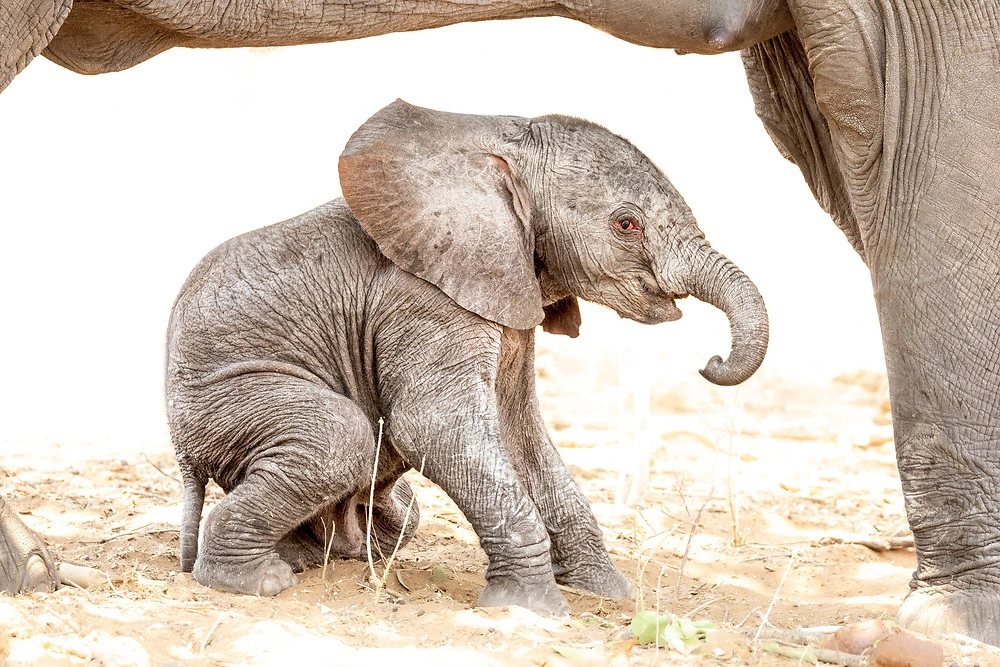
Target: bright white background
[112,187]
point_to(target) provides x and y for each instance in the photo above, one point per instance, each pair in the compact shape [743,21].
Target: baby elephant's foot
[266,576]
[541,598]
[604,580]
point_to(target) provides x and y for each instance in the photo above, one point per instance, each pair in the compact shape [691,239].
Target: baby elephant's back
[283,292]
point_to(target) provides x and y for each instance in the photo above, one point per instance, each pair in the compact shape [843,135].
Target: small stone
[903,650]
[860,637]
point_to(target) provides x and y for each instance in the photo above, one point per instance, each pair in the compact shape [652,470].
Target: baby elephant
[413,300]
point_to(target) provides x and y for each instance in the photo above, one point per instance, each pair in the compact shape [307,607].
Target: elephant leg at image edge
[27,27]
[25,563]
[933,252]
[914,154]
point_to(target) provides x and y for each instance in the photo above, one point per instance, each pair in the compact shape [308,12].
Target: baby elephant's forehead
[591,152]
[613,179]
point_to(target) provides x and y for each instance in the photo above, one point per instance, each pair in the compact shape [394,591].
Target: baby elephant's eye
[626,221]
[627,225]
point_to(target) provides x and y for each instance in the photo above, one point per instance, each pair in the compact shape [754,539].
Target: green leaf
[679,634]
[671,637]
[645,626]
[688,629]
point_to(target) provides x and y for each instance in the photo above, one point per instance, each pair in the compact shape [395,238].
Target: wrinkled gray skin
[418,305]
[888,107]
[25,563]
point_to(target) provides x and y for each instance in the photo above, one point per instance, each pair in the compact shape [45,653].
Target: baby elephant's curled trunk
[716,280]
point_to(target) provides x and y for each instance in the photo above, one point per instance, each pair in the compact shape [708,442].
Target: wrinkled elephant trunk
[716,280]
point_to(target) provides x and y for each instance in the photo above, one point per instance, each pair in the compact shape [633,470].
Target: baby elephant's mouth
[663,310]
[662,306]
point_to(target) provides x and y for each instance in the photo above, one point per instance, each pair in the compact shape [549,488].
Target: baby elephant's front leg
[461,453]
[579,557]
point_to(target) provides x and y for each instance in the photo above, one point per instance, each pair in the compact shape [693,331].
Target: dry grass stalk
[690,539]
[730,412]
[208,637]
[809,654]
[146,494]
[371,505]
[732,492]
[774,599]
[327,546]
[402,531]
[131,533]
[659,579]
[160,470]
[379,582]
[643,561]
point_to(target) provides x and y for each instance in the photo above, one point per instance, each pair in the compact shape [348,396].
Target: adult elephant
[889,108]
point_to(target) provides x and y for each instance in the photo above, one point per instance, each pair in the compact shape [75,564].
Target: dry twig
[874,542]
[208,637]
[131,533]
[774,599]
[371,504]
[807,654]
[160,470]
[690,539]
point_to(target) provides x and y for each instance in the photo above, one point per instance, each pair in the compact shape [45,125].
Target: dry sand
[766,483]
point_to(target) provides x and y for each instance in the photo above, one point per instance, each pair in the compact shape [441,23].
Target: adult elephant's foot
[266,576]
[25,563]
[603,579]
[539,597]
[935,612]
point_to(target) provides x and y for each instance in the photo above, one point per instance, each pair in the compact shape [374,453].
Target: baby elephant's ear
[563,317]
[437,193]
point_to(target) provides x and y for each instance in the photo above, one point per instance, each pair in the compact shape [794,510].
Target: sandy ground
[113,188]
[760,486]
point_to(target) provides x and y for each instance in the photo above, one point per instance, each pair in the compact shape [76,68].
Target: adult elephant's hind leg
[26,27]
[311,448]
[25,563]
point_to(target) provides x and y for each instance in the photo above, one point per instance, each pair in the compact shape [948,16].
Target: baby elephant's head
[515,217]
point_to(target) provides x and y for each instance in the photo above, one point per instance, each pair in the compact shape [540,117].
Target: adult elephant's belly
[100,36]
[912,98]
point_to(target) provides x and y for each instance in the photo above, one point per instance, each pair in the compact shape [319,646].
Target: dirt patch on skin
[748,490]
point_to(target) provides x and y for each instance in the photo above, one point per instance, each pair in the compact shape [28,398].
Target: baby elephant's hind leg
[302,548]
[343,527]
[311,448]
[395,519]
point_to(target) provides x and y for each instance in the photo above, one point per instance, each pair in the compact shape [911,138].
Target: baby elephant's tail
[194,499]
